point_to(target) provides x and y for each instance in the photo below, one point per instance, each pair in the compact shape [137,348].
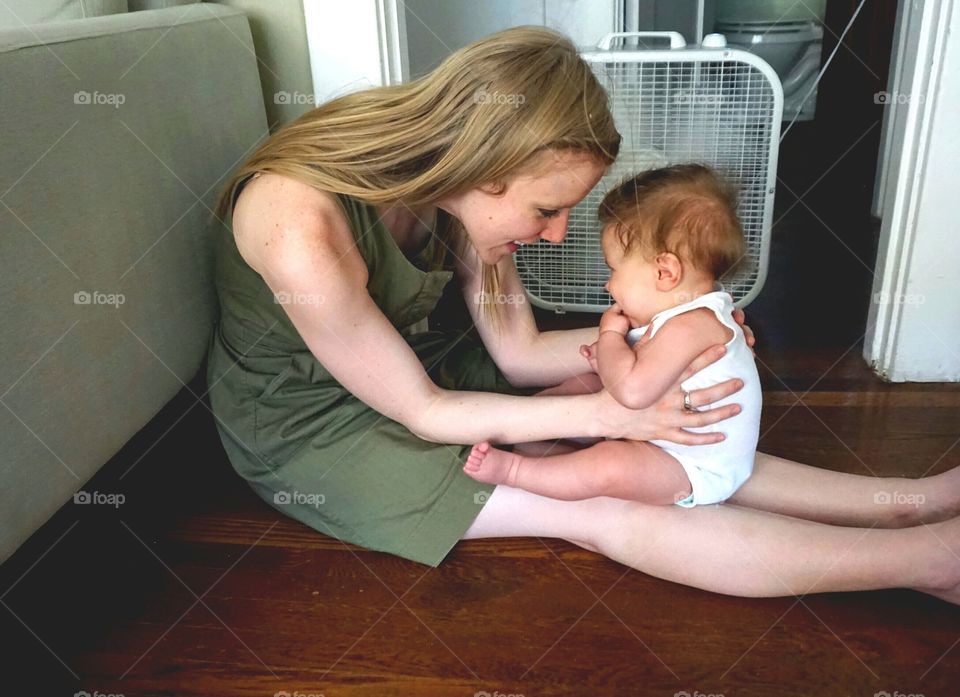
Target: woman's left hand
[747,331]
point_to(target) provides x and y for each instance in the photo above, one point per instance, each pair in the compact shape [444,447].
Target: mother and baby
[636,439]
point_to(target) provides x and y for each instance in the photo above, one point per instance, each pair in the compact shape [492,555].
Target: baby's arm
[637,377]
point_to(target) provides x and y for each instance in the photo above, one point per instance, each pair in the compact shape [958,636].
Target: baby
[669,234]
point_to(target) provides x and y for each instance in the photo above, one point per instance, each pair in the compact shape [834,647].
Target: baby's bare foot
[492,466]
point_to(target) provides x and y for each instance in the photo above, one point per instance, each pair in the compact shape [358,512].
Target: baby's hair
[688,210]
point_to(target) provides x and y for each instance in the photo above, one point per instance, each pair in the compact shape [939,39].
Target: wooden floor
[201,589]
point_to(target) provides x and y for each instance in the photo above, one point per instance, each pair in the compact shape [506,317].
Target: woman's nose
[557,229]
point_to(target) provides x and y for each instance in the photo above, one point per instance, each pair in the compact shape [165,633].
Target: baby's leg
[622,469]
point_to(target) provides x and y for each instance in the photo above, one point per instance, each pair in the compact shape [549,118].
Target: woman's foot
[905,502]
[492,466]
[946,503]
[946,564]
[921,501]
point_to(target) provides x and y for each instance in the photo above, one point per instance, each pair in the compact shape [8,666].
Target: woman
[343,412]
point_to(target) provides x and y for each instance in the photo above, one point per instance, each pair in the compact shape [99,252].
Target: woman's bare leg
[733,550]
[790,488]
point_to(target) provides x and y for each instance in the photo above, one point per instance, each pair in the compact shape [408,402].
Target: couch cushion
[107,179]
[17,13]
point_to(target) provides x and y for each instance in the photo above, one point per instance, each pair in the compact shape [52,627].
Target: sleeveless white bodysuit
[716,471]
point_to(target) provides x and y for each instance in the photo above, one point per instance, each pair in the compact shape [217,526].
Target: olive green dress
[310,448]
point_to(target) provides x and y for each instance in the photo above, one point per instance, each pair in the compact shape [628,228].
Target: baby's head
[668,235]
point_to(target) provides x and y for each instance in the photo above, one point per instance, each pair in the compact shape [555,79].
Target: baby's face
[632,281]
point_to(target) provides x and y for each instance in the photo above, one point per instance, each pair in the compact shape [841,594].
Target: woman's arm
[298,240]
[524,354]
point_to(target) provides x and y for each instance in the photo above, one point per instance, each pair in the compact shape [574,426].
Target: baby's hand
[590,353]
[614,320]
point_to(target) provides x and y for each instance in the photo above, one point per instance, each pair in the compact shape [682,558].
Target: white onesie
[719,469]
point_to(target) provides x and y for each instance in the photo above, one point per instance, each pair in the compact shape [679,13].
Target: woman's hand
[667,419]
[747,331]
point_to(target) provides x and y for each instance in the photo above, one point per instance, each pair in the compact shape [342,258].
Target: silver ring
[687,404]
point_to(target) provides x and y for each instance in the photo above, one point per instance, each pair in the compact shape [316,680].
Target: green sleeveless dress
[311,449]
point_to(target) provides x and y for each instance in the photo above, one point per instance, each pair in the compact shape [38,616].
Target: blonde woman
[342,412]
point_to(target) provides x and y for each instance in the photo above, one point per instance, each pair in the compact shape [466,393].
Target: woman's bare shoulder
[276,215]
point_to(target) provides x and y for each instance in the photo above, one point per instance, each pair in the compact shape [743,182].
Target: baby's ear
[669,271]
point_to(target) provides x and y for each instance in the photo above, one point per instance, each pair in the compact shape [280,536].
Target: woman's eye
[547,213]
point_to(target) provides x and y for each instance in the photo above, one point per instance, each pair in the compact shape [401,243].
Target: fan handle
[676,38]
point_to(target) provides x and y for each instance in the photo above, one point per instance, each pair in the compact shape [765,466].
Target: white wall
[913,329]
[354,45]
[346,38]
[435,28]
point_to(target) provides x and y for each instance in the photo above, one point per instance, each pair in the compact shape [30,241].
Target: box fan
[708,104]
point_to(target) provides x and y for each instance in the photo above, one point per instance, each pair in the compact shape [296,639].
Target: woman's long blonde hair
[479,118]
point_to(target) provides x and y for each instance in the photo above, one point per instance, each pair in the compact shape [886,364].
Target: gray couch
[116,133]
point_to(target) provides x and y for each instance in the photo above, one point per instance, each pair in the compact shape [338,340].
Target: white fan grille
[724,113]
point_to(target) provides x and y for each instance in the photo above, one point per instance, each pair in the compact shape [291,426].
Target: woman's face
[533,206]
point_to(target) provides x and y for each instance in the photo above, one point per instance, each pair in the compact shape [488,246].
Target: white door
[913,326]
